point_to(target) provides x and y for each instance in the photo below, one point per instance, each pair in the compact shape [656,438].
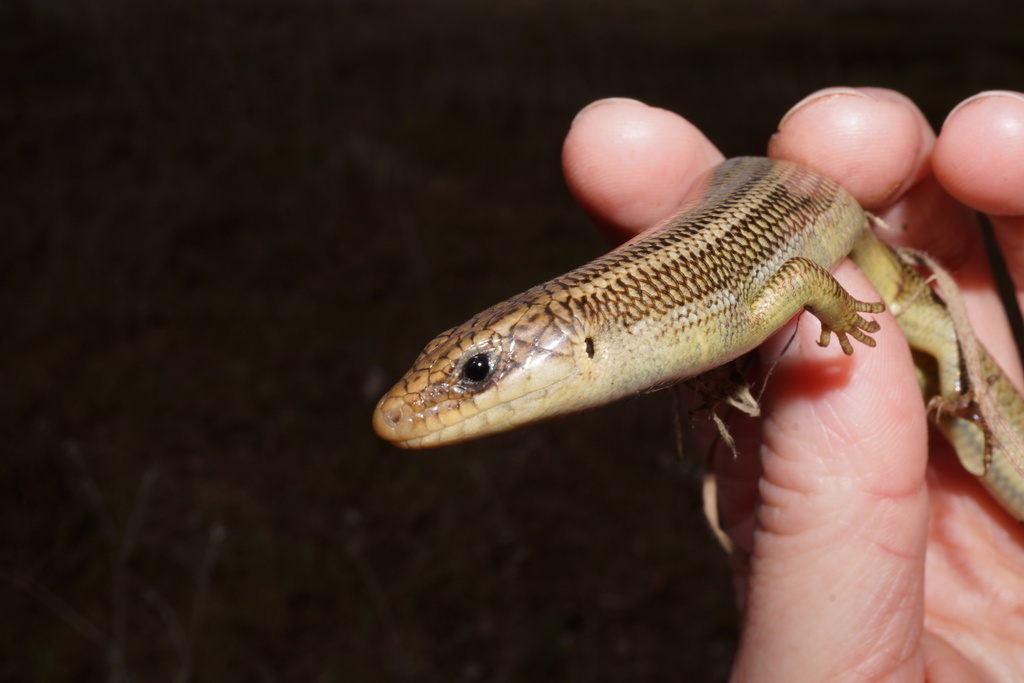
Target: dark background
[227,226]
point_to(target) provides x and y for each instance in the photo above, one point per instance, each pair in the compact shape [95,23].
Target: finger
[877,145]
[839,546]
[838,554]
[629,165]
[873,142]
[979,158]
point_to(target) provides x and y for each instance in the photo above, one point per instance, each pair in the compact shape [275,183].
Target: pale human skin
[871,554]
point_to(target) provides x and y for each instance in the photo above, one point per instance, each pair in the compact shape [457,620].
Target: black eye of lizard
[477,368]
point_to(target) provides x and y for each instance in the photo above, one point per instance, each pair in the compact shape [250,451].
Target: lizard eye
[477,368]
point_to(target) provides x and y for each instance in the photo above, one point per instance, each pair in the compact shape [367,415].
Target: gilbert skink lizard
[703,287]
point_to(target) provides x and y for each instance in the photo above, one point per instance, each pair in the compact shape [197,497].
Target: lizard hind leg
[820,293]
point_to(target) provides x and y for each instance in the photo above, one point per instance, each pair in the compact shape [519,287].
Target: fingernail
[827,93]
[600,103]
[983,96]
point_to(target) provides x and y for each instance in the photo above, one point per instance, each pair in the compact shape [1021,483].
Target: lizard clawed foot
[855,326]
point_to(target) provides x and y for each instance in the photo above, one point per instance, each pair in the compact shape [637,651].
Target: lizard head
[493,373]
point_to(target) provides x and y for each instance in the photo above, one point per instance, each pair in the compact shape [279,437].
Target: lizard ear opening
[589,343]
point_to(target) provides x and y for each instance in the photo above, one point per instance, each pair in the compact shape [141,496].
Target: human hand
[871,553]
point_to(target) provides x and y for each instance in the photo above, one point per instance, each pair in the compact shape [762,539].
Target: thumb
[836,574]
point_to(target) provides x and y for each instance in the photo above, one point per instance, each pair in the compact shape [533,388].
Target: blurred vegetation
[228,225]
